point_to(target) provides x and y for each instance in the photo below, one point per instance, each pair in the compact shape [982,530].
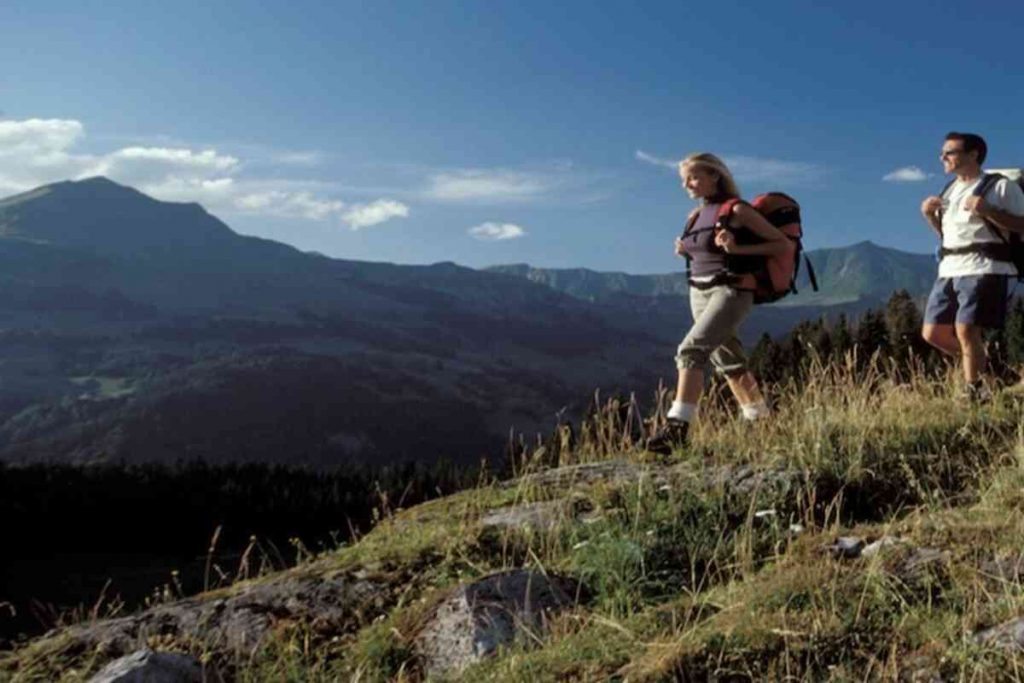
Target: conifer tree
[822,341]
[903,322]
[842,338]
[871,335]
[765,360]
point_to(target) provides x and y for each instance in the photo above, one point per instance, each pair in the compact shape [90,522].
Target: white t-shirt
[961,228]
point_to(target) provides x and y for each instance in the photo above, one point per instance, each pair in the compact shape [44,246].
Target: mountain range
[857,273]
[138,330]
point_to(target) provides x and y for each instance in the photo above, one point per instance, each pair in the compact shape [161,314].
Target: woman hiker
[720,299]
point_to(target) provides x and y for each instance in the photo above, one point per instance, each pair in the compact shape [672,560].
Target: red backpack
[773,277]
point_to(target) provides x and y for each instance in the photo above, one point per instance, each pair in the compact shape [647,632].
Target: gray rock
[478,618]
[536,516]
[1005,568]
[585,474]
[1008,636]
[238,619]
[147,666]
[846,547]
[921,560]
[745,480]
[876,547]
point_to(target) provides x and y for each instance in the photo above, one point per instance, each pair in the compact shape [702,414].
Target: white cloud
[493,232]
[177,157]
[308,206]
[488,185]
[752,169]
[207,191]
[365,215]
[38,136]
[299,158]
[641,155]
[907,174]
[35,152]
[757,169]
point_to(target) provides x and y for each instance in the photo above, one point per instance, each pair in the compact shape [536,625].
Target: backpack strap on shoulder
[988,181]
[691,220]
[725,212]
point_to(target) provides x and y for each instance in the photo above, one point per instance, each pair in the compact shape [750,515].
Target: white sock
[755,411]
[682,412]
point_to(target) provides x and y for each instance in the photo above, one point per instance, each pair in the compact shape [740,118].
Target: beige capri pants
[717,314]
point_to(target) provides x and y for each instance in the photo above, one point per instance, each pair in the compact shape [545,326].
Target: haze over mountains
[139,330]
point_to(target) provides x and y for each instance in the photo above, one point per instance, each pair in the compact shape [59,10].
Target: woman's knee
[692,357]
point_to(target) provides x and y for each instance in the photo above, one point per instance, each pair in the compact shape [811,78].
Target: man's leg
[942,337]
[939,316]
[981,304]
[971,339]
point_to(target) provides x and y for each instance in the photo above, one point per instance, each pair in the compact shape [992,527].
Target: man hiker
[975,217]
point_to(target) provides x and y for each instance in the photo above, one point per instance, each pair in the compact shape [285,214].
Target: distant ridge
[858,272]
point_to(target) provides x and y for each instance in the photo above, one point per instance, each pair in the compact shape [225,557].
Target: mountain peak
[105,217]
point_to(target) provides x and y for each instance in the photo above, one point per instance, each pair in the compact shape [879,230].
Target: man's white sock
[755,411]
[682,412]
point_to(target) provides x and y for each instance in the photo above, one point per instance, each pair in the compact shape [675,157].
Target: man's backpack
[1011,248]
[773,276]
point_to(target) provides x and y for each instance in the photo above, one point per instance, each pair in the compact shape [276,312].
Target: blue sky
[499,132]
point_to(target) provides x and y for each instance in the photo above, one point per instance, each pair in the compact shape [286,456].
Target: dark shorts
[970,300]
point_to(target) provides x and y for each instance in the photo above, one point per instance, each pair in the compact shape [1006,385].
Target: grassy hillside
[718,563]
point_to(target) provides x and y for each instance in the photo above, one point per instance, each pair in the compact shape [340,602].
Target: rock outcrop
[147,666]
[499,610]
[235,620]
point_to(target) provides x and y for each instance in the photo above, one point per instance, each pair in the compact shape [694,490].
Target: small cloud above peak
[367,215]
[907,174]
[496,232]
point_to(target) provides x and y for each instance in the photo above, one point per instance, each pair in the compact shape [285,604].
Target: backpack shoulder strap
[988,181]
[691,220]
[726,210]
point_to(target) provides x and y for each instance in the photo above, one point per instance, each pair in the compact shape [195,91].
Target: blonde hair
[727,186]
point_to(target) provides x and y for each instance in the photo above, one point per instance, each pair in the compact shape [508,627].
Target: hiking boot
[668,438]
[976,392]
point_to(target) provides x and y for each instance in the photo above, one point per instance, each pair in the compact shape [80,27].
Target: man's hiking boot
[668,438]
